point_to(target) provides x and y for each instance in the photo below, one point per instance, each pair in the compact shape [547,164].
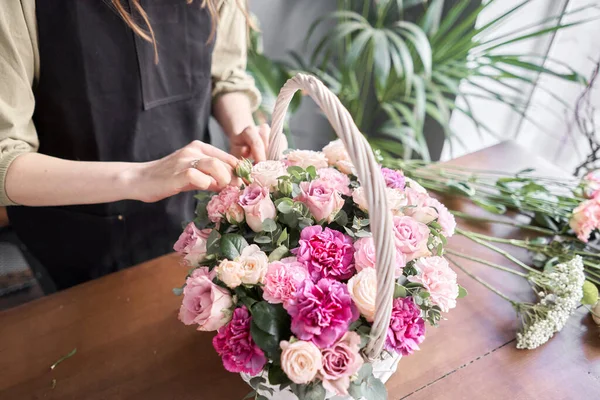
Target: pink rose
[225,205]
[205,303]
[340,362]
[236,347]
[407,328]
[438,279]
[326,252]
[306,158]
[282,280]
[445,217]
[364,256]
[419,206]
[257,205]
[337,156]
[266,173]
[322,200]
[192,244]
[585,218]
[335,179]
[410,237]
[591,184]
[322,312]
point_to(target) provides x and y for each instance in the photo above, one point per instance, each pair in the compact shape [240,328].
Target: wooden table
[130,344]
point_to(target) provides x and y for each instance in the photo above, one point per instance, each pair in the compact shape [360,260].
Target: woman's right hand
[197,166]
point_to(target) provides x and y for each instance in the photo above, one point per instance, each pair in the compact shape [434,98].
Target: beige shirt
[20,68]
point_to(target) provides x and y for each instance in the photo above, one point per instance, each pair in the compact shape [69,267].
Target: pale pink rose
[414,185]
[410,237]
[322,200]
[192,244]
[585,218]
[365,257]
[306,158]
[340,362]
[248,269]
[225,205]
[363,290]
[445,217]
[436,276]
[300,361]
[257,205]
[282,279]
[396,200]
[419,206]
[337,156]
[336,179]
[205,303]
[266,173]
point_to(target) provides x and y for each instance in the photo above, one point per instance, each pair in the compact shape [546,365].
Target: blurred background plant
[398,65]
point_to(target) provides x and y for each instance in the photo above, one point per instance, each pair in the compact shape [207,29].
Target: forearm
[233,112]
[39,180]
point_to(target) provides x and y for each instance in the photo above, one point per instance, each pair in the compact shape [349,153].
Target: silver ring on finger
[194,164]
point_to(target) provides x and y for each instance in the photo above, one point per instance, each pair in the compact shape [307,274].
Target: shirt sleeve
[18,63]
[230,54]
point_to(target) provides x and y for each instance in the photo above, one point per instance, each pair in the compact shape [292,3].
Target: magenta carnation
[322,312]
[236,347]
[326,252]
[393,179]
[407,328]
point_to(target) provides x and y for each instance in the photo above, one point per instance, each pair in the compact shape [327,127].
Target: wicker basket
[369,174]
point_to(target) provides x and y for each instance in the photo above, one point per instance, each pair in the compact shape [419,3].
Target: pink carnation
[436,276]
[322,312]
[586,218]
[282,279]
[393,179]
[326,252]
[407,328]
[225,205]
[336,179]
[410,237]
[364,256]
[321,198]
[192,244]
[591,184]
[236,347]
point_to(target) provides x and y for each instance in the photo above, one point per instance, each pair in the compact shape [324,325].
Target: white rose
[396,200]
[254,265]
[358,196]
[338,156]
[267,172]
[306,158]
[230,272]
[300,361]
[363,290]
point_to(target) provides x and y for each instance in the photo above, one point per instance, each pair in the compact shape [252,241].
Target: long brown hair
[148,33]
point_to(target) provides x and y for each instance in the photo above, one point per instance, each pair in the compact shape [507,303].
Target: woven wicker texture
[369,174]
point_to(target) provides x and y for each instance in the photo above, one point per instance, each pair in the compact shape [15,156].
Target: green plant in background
[393,74]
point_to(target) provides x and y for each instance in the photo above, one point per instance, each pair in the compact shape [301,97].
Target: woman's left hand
[252,142]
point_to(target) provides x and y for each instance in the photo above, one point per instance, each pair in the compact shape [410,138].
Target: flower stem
[485,262]
[482,282]
[474,237]
[498,221]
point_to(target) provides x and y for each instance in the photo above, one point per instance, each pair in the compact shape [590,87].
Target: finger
[252,138]
[212,151]
[222,173]
[264,130]
[192,179]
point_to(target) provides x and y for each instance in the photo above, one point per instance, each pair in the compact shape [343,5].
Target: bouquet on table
[284,271]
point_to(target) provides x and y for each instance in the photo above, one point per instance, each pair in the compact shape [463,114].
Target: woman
[103,104]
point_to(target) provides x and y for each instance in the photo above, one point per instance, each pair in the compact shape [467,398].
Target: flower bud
[590,293]
[285,187]
[243,170]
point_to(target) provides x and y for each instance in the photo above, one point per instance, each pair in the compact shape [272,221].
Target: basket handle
[369,174]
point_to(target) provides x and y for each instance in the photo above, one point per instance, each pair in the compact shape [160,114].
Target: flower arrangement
[283,268]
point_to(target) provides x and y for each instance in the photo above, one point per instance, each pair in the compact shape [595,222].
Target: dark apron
[101,97]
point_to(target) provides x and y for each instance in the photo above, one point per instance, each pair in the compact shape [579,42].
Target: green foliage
[232,245]
[270,325]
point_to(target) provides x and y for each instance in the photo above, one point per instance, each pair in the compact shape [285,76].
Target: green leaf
[268,343]
[212,242]
[462,292]
[399,291]
[312,171]
[262,239]
[490,206]
[355,390]
[374,389]
[424,295]
[269,225]
[313,391]
[341,218]
[177,291]
[250,395]
[270,318]
[254,382]
[278,253]
[283,236]
[285,205]
[461,188]
[232,245]
[277,376]
[261,397]
[365,371]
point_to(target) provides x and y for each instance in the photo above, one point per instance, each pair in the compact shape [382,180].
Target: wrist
[129,180]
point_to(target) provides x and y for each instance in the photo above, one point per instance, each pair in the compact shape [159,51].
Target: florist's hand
[252,142]
[197,166]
